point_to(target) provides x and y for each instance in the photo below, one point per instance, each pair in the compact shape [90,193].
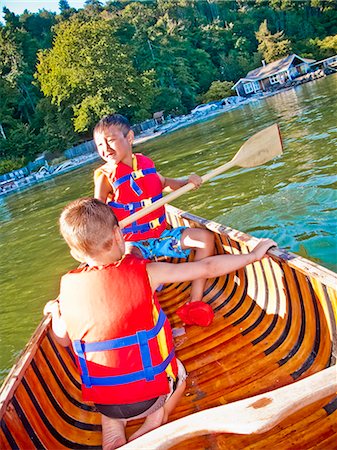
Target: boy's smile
[114,147]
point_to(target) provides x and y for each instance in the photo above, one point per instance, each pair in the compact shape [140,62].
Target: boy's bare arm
[210,267]
[58,324]
[102,188]
[172,184]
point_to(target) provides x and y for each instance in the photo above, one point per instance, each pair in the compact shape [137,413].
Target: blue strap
[79,350]
[134,186]
[145,355]
[133,183]
[131,377]
[132,206]
[142,338]
[113,344]
[135,228]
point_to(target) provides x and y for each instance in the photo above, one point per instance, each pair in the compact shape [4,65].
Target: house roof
[272,68]
[158,114]
[323,60]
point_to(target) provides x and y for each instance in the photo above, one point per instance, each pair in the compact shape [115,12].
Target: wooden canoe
[275,325]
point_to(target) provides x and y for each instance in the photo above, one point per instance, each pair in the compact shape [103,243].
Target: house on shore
[326,64]
[272,75]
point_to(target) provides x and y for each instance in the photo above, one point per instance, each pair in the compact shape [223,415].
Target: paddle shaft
[175,194]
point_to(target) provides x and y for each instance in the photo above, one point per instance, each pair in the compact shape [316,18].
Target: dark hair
[86,224]
[116,120]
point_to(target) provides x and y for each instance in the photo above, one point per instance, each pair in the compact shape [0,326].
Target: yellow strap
[98,173]
[162,343]
[134,163]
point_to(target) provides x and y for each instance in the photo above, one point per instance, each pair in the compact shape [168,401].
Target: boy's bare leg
[132,250]
[113,433]
[160,416]
[202,241]
[151,422]
[172,402]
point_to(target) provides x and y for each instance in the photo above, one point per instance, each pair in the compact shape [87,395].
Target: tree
[217,91]
[90,71]
[11,58]
[328,46]
[63,5]
[55,127]
[272,46]
[9,99]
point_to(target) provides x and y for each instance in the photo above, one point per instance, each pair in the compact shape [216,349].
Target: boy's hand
[51,307]
[262,247]
[195,179]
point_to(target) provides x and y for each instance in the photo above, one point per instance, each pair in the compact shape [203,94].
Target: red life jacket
[133,189]
[122,338]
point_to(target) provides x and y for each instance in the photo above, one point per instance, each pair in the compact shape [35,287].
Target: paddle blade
[260,148]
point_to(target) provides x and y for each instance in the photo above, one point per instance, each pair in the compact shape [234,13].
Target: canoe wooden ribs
[275,324]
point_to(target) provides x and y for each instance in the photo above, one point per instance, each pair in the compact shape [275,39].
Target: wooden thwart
[257,150]
[251,415]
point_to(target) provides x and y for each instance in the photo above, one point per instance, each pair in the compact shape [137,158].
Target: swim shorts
[143,409]
[168,244]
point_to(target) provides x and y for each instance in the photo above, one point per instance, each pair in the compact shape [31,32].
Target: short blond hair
[86,225]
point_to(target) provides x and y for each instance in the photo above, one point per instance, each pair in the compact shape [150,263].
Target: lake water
[291,199]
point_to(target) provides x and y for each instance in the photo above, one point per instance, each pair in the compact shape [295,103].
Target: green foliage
[21,142]
[90,71]
[328,46]
[272,46]
[55,127]
[217,91]
[59,73]
[7,165]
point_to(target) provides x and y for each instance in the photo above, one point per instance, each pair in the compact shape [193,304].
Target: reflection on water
[291,199]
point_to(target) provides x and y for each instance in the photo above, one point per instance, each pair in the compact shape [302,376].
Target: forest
[61,72]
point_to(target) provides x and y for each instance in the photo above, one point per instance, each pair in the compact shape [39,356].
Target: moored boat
[275,324]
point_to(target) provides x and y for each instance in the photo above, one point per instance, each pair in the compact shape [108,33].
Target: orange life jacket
[133,189]
[122,338]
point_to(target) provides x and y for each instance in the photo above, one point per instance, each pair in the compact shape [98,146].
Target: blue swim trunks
[168,244]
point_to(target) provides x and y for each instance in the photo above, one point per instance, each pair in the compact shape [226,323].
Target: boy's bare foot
[151,422]
[113,433]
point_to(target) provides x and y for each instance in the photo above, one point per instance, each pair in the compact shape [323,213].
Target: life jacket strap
[141,338]
[135,175]
[132,206]
[144,227]
[132,377]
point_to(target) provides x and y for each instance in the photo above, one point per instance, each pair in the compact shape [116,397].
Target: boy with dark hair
[108,310]
[128,182]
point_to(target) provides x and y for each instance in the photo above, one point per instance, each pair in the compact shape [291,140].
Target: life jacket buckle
[146,202]
[154,223]
[137,174]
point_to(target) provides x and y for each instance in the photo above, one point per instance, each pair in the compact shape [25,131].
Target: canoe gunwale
[256,414]
[23,360]
[304,265]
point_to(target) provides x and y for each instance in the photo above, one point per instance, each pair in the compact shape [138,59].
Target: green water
[292,199]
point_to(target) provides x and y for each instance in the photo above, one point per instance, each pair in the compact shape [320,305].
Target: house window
[273,79]
[248,88]
[293,72]
[256,86]
[302,68]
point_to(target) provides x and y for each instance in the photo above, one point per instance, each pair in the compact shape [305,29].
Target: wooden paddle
[251,415]
[260,148]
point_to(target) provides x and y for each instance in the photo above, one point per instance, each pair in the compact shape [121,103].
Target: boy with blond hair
[108,310]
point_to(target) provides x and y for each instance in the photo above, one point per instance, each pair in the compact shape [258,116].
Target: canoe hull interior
[275,323]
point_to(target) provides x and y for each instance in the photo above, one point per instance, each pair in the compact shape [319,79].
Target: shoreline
[69,165]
